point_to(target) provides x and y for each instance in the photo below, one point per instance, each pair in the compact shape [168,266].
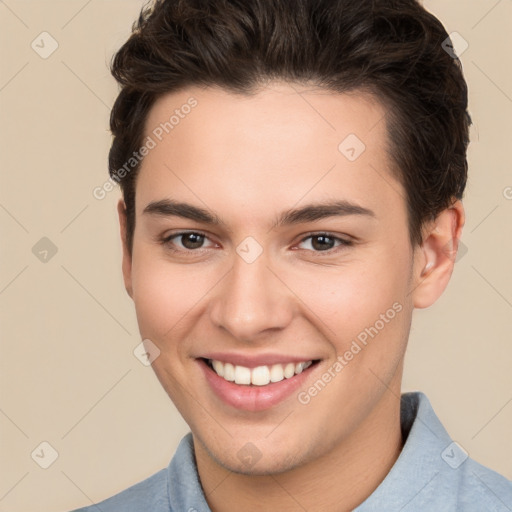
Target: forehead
[274,115]
[281,145]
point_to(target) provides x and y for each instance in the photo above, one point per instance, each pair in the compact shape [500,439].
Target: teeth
[289,370]
[229,371]
[259,376]
[218,367]
[242,375]
[276,373]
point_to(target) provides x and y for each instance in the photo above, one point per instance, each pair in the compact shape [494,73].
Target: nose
[251,302]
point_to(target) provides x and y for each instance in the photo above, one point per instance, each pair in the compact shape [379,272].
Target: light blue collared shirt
[431,474]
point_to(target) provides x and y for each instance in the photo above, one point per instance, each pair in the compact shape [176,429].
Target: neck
[337,481]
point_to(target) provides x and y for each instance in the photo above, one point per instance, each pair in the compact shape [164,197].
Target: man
[292,176]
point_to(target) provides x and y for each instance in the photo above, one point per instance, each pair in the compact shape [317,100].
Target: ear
[435,258]
[127,259]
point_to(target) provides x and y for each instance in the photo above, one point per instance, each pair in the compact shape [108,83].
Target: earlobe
[435,259]
[127,258]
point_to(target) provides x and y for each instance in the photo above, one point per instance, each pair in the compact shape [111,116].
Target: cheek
[164,301]
[168,296]
[353,295]
[152,295]
[162,294]
[364,301]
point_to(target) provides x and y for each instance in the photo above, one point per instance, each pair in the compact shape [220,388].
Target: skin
[247,159]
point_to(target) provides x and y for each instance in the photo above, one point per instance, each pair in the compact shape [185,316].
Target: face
[264,239]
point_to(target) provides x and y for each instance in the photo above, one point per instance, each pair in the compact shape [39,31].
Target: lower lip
[253,398]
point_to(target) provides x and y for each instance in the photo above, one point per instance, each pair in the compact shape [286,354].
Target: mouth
[255,388]
[260,375]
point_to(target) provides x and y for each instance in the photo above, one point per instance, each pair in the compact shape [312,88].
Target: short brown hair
[391,48]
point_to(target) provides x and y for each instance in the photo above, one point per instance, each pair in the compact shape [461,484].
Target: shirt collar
[420,461]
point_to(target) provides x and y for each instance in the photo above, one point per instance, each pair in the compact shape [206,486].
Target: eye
[325,242]
[190,241]
[193,241]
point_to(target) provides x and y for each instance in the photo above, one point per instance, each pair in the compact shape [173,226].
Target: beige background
[68,373]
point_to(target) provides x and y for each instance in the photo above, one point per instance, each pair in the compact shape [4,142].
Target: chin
[259,458]
[272,465]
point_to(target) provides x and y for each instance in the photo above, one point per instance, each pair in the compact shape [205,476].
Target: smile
[258,386]
[258,376]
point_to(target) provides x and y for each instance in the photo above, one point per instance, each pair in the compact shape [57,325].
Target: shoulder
[172,489]
[481,488]
[433,472]
[149,494]
[456,481]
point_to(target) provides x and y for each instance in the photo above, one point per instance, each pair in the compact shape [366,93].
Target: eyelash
[166,241]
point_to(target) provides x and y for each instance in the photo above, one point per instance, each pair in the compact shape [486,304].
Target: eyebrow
[309,213]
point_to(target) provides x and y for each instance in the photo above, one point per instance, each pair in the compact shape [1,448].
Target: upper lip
[252,361]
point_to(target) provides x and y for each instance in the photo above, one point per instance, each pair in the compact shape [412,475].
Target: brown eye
[322,243]
[188,241]
[192,240]
[325,242]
